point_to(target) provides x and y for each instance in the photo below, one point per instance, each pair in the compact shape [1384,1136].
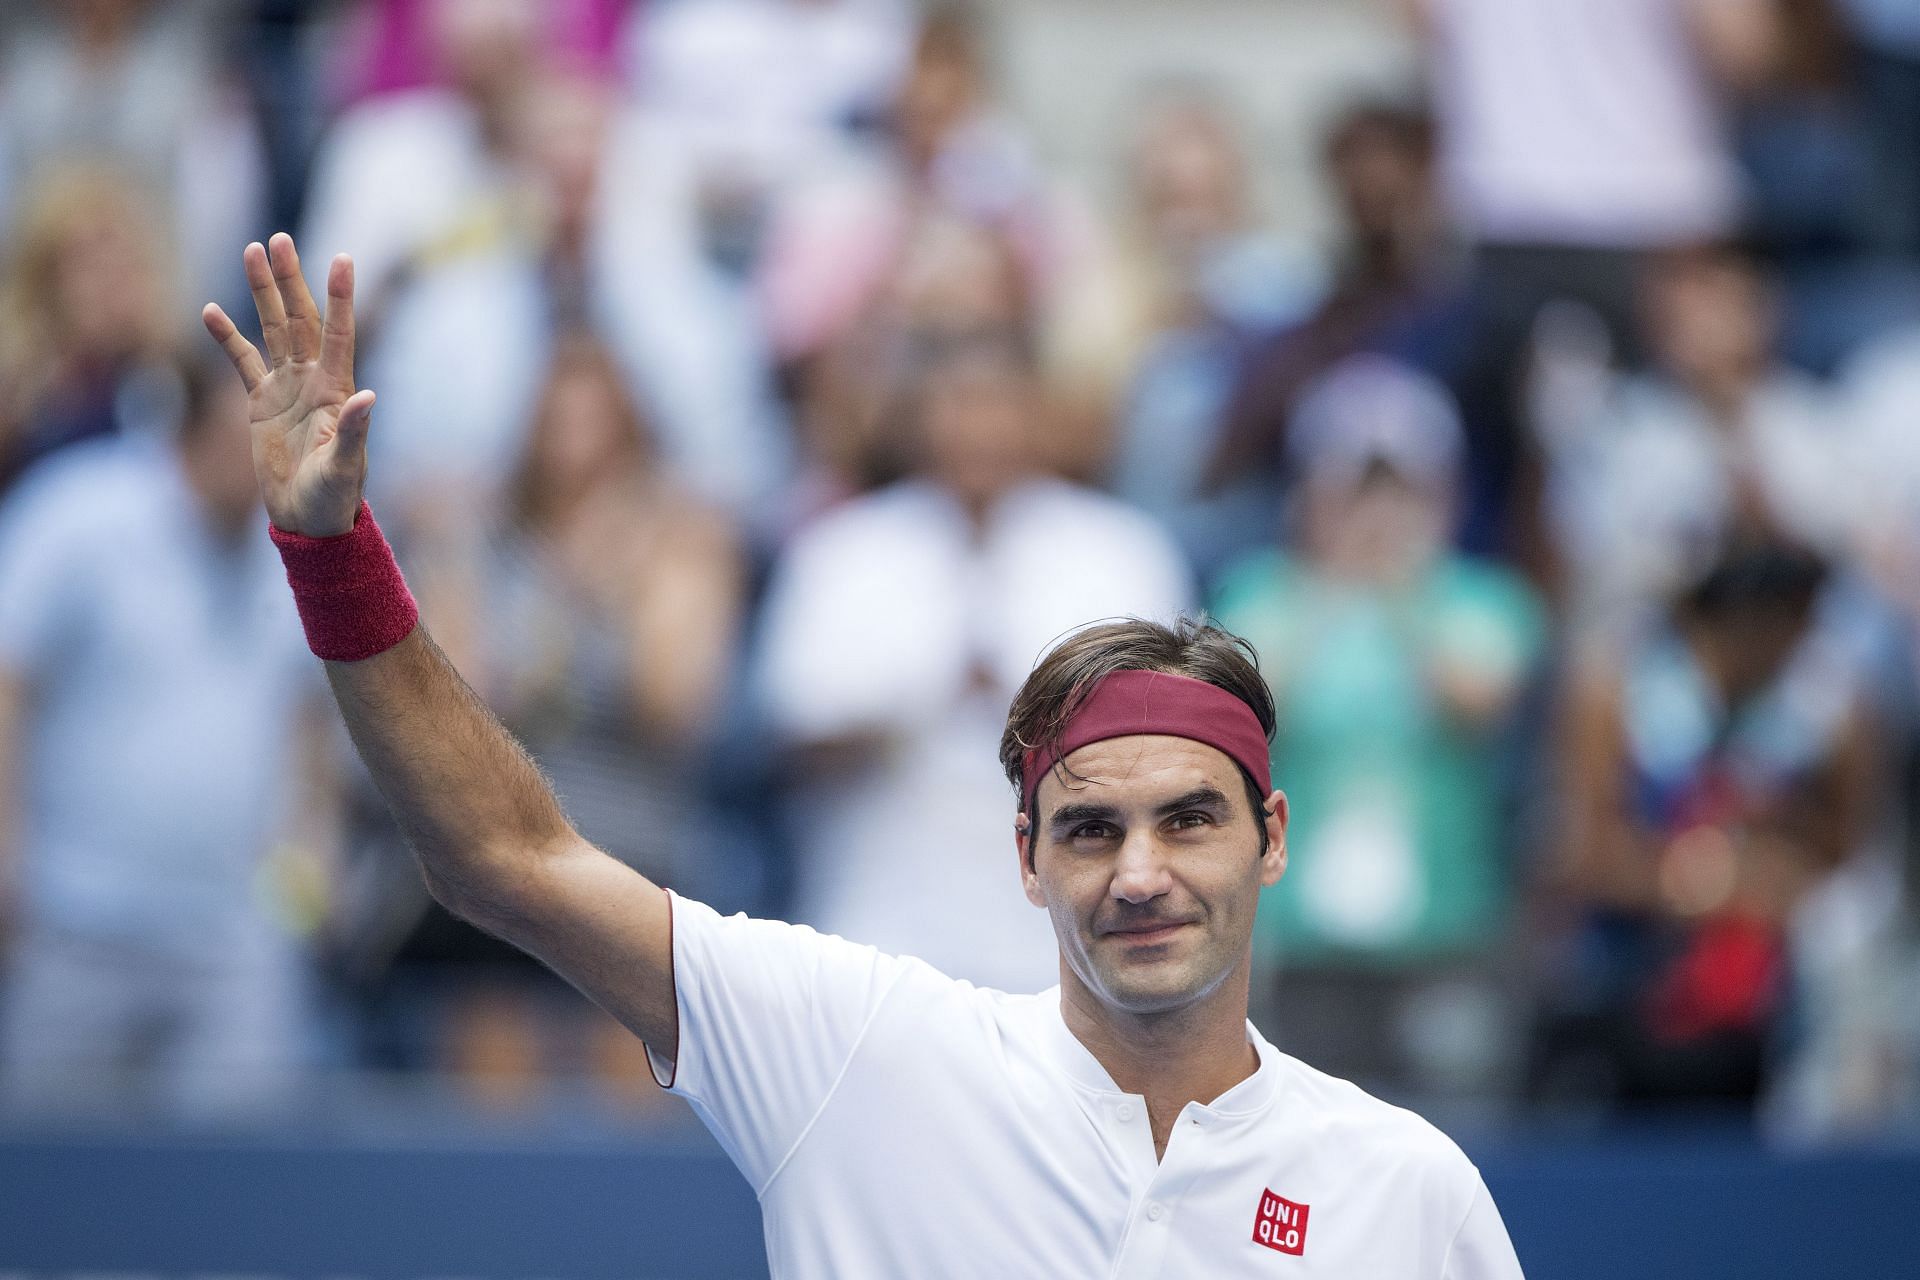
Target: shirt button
[1154,1213]
[1125,1112]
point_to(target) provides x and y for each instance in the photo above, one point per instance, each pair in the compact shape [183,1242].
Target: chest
[171,620]
[941,1177]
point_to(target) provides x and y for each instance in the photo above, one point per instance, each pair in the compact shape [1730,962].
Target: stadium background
[1534,387]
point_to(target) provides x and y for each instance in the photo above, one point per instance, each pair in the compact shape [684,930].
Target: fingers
[303,318]
[266,301]
[336,340]
[246,361]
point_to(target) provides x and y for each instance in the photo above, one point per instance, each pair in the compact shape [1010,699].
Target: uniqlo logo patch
[1281,1224]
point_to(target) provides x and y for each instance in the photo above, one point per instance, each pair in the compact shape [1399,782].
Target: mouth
[1146,935]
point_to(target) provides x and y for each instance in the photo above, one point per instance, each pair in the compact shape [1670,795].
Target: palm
[309,424]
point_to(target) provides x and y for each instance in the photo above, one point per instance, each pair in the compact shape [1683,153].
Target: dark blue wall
[1647,1208]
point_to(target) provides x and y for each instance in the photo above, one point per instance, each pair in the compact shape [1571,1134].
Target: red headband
[1137,702]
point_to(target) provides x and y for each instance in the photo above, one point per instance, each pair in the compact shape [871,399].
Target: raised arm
[492,842]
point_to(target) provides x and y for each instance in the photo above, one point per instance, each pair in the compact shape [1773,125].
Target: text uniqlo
[1281,1224]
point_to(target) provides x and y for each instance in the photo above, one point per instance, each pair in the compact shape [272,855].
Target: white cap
[1372,408]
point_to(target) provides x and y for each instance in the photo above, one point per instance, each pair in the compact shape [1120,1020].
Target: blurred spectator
[1807,147]
[531,201]
[1799,141]
[387,46]
[1716,767]
[1396,665]
[598,616]
[1580,127]
[138,86]
[897,628]
[152,677]
[488,301]
[955,278]
[1194,280]
[763,92]
[1652,475]
[87,316]
[1394,292]
[1573,136]
[1881,387]
[835,245]
[1887,35]
[402,177]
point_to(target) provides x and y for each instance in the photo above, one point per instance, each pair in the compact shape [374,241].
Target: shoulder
[889,532]
[1103,529]
[1339,1115]
[1061,500]
[1485,584]
[391,122]
[86,488]
[1252,577]
[899,508]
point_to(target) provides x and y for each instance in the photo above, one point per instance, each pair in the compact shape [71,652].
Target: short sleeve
[40,577]
[770,1015]
[1481,1249]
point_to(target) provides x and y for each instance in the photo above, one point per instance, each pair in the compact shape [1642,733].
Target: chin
[1154,987]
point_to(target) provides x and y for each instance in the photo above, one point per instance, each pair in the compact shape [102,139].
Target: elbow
[496,884]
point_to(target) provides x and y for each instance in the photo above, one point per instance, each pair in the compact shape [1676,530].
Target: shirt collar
[1251,1095]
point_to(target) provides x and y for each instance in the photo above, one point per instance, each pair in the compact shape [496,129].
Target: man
[150,690]
[892,1121]
[896,629]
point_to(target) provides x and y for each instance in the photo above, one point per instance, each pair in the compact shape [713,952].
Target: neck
[1191,1054]
[1727,395]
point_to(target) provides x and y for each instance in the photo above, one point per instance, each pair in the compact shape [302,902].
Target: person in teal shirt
[1396,664]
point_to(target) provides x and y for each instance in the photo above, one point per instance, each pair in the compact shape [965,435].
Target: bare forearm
[472,804]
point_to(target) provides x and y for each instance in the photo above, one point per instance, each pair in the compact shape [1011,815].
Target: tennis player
[893,1122]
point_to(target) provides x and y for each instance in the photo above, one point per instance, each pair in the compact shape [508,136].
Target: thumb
[350,437]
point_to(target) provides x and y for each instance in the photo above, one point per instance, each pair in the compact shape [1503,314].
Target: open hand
[309,425]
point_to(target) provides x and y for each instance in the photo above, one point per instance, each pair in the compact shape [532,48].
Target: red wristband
[352,600]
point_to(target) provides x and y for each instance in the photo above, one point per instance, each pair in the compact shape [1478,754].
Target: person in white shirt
[893,1121]
[898,626]
[1650,474]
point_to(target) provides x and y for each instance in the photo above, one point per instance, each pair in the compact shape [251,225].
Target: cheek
[1070,895]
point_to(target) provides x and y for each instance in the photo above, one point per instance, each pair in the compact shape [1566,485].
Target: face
[580,435]
[978,428]
[1151,862]
[1188,179]
[1711,321]
[1377,178]
[105,290]
[1384,528]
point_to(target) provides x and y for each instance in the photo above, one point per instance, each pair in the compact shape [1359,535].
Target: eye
[1092,831]
[1191,818]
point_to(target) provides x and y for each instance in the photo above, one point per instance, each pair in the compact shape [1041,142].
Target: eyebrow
[1199,798]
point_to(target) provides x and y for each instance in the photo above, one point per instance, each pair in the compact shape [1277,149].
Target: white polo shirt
[895,1122]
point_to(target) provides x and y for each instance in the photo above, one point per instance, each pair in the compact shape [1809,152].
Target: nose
[1140,873]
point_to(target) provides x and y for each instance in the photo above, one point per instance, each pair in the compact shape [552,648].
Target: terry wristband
[352,600]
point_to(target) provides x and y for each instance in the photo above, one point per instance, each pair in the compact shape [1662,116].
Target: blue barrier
[1647,1207]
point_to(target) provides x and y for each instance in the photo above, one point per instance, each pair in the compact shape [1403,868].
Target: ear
[1023,845]
[1273,862]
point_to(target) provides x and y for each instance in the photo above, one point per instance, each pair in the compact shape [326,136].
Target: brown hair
[1055,689]
[530,497]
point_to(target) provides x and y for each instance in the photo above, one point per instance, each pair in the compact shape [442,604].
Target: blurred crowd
[757,402]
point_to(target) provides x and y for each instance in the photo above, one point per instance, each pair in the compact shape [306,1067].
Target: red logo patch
[1281,1224]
